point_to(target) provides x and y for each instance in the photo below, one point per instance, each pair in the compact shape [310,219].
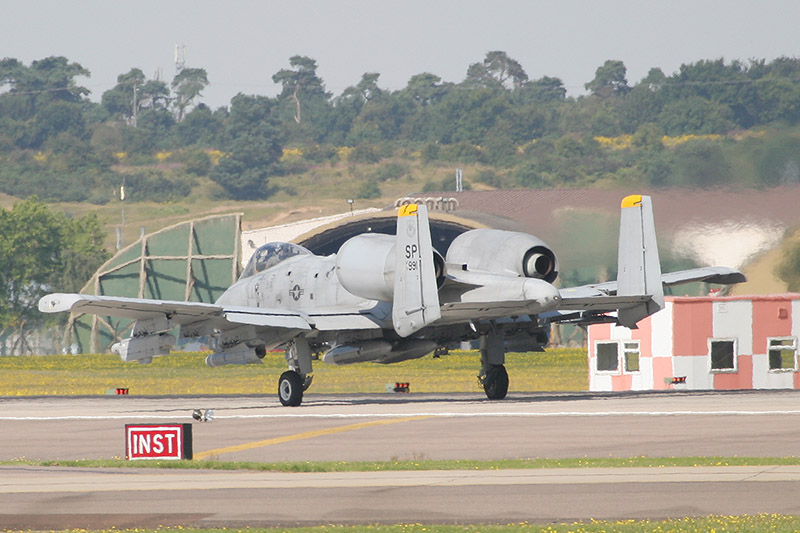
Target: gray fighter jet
[385,298]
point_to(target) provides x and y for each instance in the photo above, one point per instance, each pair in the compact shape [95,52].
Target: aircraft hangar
[197,260]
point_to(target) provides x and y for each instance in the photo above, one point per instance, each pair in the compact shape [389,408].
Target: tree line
[711,123]
[41,251]
[57,143]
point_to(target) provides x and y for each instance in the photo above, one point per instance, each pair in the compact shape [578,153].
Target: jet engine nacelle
[144,348]
[365,266]
[503,252]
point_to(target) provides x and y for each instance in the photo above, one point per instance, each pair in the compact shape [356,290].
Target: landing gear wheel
[290,388]
[495,383]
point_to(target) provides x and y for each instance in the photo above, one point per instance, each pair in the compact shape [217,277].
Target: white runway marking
[498,414]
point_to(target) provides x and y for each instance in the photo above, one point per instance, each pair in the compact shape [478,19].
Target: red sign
[158,441]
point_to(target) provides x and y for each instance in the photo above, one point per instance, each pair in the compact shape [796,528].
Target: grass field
[419,464]
[746,523]
[187,373]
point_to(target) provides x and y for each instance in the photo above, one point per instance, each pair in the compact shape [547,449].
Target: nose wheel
[290,388]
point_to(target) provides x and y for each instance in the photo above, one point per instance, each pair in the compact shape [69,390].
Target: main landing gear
[290,388]
[297,379]
[493,376]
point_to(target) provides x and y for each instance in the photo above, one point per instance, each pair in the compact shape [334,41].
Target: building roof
[788,296]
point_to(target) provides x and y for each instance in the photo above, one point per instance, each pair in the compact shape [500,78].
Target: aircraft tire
[495,384]
[290,388]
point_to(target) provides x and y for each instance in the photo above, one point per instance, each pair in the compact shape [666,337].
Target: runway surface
[401,427]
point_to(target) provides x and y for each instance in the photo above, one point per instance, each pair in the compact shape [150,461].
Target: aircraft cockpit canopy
[271,254]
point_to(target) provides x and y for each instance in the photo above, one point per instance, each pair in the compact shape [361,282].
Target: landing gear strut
[297,379]
[493,376]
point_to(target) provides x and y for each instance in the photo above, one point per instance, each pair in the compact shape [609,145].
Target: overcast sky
[241,44]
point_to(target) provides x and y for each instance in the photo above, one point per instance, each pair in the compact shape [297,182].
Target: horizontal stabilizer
[718,275]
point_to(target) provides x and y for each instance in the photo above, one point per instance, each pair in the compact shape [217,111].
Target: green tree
[353,99]
[254,147]
[201,126]
[697,115]
[154,94]
[187,85]
[119,100]
[133,98]
[42,251]
[609,80]
[300,83]
[368,88]
[788,269]
[41,100]
[641,105]
[426,88]
[468,115]
[654,80]
[46,80]
[546,89]
[497,71]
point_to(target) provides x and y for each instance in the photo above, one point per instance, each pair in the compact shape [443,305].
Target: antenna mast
[180,58]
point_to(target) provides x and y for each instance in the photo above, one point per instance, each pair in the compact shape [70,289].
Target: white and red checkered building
[739,342]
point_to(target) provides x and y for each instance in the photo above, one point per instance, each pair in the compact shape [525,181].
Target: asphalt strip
[219,414]
[27,480]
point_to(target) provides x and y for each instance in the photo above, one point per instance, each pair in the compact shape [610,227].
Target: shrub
[390,171]
[198,163]
[369,189]
[365,153]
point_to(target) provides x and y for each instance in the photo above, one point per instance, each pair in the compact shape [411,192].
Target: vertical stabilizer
[639,269]
[416,298]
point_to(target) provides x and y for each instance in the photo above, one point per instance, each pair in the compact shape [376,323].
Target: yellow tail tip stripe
[408,209]
[632,201]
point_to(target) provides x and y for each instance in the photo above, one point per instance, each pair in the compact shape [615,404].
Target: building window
[630,352]
[782,354]
[607,355]
[723,355]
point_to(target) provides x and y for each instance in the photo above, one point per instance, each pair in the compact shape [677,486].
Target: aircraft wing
[582,304]
[333,320]
[222,317]
[132,308]
[715,274]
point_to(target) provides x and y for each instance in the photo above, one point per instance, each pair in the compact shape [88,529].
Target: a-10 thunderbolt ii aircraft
[385,298]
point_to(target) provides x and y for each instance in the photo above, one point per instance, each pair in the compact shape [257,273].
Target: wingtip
[57,302]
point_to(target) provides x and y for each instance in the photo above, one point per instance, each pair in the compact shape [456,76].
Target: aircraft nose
[542,292]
